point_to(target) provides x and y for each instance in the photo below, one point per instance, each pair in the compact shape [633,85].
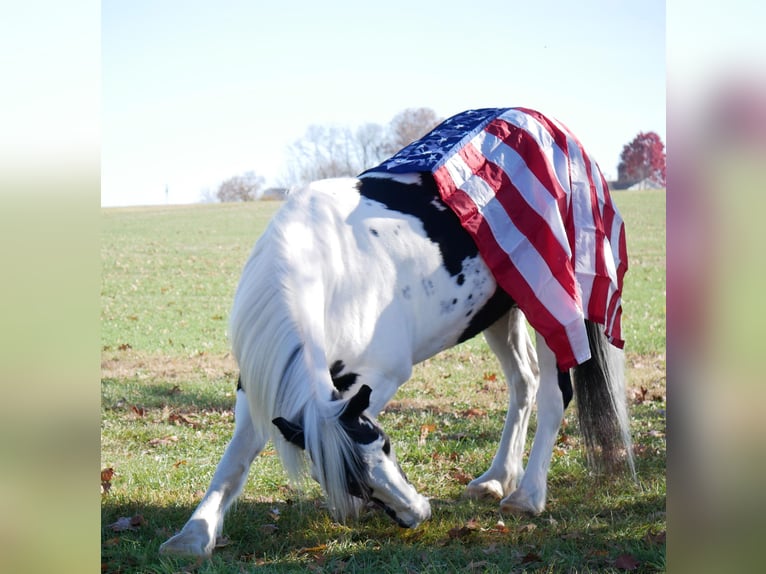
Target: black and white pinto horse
[353,282]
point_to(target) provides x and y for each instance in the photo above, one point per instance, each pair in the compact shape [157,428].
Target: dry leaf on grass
[128,523]
[424,431]
[163,441]
[531,557]
[106,479]
[465,530]
[656,537]
[626,562]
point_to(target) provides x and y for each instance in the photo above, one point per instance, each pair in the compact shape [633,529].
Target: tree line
[336,151]
[340,151]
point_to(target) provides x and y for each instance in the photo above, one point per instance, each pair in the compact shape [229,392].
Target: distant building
[632,184]
[274,194]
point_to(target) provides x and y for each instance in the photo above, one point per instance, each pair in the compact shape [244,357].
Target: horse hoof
[518,503]
[184,545]
[489,490]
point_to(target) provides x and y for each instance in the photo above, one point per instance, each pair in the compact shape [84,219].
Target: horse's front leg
[509,340]
[530,496]
[198,536]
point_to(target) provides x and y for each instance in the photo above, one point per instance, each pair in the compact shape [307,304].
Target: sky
[193,93]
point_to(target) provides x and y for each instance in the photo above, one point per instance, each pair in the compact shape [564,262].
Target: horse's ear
[291,431]
[358,403]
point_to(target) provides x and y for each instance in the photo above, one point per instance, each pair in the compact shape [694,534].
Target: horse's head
[365,463]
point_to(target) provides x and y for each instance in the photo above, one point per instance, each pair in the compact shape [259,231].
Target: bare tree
[243,187]
[333,151]
[372,145]
[409,125]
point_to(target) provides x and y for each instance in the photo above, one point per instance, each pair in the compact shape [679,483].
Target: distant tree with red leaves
[643,160]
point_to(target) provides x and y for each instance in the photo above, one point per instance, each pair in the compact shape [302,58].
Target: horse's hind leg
[529,497]
[509,340]
[198,536]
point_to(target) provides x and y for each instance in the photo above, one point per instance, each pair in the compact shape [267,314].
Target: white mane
[277,335]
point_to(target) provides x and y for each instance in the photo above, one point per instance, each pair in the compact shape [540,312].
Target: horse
[353,282]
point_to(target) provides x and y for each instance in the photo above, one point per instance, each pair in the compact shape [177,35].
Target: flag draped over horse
[540,212]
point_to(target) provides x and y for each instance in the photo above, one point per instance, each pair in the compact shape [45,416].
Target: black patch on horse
[497,306]
[423,202]
[443,228]
[341,382]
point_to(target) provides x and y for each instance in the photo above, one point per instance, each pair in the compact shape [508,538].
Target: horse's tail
[599,385]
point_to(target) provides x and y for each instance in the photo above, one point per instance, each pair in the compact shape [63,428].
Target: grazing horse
[353,282]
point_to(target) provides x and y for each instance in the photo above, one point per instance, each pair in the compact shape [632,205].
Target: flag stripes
[540,212]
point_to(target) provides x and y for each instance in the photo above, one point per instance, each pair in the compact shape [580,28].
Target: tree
[324,151]
[409,125]
[643,159]
[334,151]
[243,187]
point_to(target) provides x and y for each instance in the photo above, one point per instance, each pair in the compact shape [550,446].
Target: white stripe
[584,226]
[535,194]
[460,173]
[556,156]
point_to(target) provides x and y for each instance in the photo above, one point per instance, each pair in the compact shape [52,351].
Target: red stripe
[558,136]
[527,147]
[530,223]
[505,272]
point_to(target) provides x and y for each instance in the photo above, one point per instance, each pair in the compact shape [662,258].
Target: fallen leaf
[531,557]
[639,395]
[465,530]
[138,410]
[106,479]
[222,541]
[179,419]
[163,441]
[572,536]
[500,527]
[179,463]
[313,549]
[424,431]
[125,346]
[473,413]
[461,477]
[626,562]
[564,439]
[490,377]
[127,523]
[527,528]
[656,538]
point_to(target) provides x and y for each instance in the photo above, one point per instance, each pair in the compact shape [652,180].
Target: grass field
[168,386]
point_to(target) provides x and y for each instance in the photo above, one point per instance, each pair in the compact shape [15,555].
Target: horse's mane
[277,335]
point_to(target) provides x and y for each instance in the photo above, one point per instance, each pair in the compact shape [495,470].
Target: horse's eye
[387,446]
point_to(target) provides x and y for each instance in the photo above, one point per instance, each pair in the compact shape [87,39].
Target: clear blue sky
[195,92]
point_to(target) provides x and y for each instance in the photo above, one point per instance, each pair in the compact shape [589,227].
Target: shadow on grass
[184,397]
[463,535]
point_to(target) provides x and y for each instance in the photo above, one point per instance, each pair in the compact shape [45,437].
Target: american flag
[541,214]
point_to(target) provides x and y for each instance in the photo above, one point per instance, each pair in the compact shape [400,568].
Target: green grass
[168,388]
